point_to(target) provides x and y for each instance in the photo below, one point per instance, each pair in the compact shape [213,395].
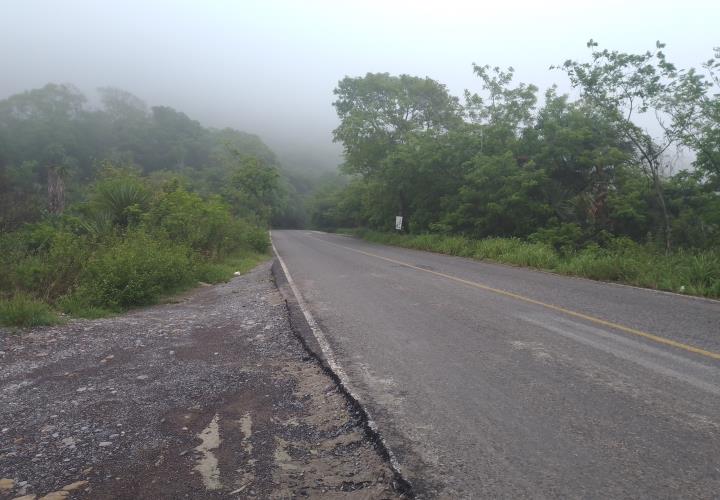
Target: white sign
[398,222]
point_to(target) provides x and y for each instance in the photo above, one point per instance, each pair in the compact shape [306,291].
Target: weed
[22,310]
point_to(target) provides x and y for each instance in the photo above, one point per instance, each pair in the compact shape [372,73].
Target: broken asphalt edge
[313,341]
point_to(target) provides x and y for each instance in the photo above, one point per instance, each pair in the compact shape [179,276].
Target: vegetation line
[685,272]
[620,182]
[110,208]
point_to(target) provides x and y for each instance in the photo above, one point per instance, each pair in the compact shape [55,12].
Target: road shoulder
[211,397]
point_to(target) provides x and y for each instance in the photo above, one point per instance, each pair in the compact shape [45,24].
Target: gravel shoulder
[211,396]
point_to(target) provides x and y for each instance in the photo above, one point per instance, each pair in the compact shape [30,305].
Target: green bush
[134,270]
[50,274]
[120,197]
[252,237]
[206,226]
[76,305]
[564,238]
[42,260]
[620,259]
[126,246]
[22,310]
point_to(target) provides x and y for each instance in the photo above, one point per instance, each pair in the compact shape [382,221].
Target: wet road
[492,381]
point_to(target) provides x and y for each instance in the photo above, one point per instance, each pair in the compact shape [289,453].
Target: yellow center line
[569,312]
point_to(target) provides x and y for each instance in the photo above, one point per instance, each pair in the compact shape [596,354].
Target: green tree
[500,197]
[580,150]
[253,184]
[379,114]
[624,86]
[703,136]
[503,111]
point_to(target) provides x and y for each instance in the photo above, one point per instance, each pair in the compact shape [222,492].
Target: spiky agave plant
[120,199]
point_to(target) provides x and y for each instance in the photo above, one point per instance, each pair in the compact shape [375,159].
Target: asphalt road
[492,381]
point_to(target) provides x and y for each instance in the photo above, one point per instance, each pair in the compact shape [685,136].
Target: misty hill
[54,130]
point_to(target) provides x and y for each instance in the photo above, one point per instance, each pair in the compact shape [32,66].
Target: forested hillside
[106,203]
[108,206]
[628,170]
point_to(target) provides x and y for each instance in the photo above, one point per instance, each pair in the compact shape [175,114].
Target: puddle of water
[207,464]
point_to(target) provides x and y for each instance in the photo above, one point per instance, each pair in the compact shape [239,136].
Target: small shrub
[564,238]
[42,260]
[22,310]
[121,197]
[132,271]
[75,305]
[252,237]
[699,274]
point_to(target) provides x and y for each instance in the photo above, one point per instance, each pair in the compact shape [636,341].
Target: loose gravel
[211,396]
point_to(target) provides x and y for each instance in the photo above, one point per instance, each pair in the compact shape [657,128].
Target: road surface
[492,381]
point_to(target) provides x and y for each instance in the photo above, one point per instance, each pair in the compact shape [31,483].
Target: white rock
[6,484]
[75,486]
[105,444]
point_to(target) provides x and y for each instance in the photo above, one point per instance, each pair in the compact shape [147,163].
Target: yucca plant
[122,199]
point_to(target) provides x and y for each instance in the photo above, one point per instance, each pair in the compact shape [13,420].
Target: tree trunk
[657,184]
[56,191]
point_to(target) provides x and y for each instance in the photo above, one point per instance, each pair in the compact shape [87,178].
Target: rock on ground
[211,396]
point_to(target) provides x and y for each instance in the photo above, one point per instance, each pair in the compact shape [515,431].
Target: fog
[270,67]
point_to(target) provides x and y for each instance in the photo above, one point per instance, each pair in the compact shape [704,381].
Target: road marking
[705,377]
[568,312]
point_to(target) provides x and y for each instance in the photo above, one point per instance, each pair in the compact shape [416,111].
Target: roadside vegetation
[102,210]
[127,246]
[620,184]
[623,261]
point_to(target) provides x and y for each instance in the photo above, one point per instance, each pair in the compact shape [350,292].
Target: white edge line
[330,357]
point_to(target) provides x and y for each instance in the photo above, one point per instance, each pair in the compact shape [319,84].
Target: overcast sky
[269,67]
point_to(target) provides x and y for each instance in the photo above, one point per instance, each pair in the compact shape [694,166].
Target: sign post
[398,222]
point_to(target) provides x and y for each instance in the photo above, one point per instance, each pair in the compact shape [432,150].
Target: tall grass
[22,310]
[685,271]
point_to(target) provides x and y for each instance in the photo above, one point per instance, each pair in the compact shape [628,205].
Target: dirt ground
[211,396]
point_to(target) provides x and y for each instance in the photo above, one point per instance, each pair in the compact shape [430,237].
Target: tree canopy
[635,155]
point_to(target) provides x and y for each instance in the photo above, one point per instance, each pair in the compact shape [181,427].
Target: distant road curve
[492,381]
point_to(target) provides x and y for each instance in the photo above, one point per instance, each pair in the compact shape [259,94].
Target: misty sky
[269,67]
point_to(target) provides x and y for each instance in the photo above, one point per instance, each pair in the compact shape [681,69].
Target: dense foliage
[128,244]
[636,156]
[53,145]
[105,209]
